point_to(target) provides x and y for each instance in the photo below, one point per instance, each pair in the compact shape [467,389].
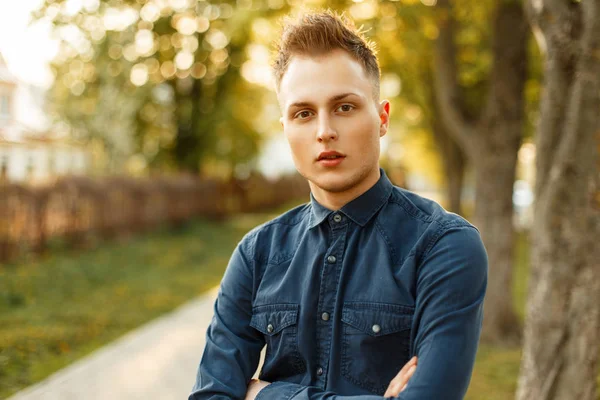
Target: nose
[326,130]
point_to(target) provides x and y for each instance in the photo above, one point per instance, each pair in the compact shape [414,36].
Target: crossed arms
[450,287]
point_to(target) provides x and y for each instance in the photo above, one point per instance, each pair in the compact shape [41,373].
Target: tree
[561,342]
[490,135]
[403,32]
[156,79]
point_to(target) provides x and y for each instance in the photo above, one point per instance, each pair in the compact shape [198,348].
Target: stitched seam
[441,231]
[413,210]
[365,305]
[387,242]
[280,258]
[282,220]
[262,228]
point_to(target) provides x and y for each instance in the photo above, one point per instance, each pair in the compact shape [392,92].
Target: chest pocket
[375,343]
[279,324]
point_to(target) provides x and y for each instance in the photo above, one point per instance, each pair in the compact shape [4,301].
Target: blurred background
[140,139]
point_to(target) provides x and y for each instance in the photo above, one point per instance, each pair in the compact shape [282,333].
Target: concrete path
[156,361]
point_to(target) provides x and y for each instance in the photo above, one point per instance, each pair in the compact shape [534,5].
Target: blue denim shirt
[343,299]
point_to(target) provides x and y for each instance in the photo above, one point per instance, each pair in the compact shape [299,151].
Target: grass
[60,308]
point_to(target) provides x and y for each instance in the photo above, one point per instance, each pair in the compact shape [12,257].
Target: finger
[412,362]
[392,391]
[401,379]
[409,374]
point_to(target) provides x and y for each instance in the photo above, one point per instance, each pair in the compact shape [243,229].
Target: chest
[340,302]
[339,266]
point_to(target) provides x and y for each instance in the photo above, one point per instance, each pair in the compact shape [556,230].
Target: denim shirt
[343,299]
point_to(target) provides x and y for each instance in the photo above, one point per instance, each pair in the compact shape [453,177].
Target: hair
[318,33]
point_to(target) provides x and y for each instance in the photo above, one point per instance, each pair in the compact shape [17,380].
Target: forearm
[288,391]
[232,348]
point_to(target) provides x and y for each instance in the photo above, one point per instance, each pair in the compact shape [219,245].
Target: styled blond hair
[318,33]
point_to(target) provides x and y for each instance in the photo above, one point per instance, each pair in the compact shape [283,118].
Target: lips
[330,155]
[329,159]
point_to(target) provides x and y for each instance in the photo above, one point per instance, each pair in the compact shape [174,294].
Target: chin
[336,182]
[334,187]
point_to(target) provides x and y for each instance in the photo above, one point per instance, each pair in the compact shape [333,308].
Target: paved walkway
[156,361]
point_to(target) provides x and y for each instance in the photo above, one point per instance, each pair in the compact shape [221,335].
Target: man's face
[332,121]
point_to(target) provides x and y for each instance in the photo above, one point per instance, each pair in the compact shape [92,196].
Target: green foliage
[156,79]
[167,85]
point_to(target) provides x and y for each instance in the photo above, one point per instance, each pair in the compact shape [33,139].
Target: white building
[29,153]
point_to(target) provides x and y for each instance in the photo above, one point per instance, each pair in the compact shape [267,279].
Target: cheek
[365,134]
[297,141]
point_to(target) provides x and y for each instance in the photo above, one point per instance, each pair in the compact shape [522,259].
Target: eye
[303,114]
[345,108]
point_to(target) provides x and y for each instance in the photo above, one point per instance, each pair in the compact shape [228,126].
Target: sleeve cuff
[279,391]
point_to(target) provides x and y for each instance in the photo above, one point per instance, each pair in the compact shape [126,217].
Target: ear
[384,117]
[281,121]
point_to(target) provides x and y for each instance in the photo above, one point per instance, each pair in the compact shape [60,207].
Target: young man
[345,290]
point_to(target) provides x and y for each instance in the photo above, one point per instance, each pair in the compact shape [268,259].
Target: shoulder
[425,210]
[413,224]
[285,228]
[447,245]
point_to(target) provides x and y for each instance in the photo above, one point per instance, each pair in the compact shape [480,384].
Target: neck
[336,200]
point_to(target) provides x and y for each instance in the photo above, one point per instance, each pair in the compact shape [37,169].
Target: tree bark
[453,159]
[491,143]
[561,341]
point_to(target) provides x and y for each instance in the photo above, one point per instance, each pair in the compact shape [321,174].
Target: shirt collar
[359,210]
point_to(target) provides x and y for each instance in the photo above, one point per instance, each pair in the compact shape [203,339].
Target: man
[346,290]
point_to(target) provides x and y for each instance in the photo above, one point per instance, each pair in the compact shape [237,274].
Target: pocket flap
[376,319]
[272,318]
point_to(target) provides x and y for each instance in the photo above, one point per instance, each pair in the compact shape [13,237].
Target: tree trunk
[495,175]
[491,143]
[188,143]
[454,162]
[561,341]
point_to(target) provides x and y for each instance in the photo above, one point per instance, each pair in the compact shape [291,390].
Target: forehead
[318,78]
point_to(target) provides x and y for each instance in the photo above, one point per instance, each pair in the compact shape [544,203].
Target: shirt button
[337,217]
[325,316]
[331,259]
[269,328]
[376,328]
[319,371]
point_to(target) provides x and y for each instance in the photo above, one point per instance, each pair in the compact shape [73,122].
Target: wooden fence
[79,211]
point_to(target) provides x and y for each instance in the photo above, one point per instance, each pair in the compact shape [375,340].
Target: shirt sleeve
[232,350]
[451,284]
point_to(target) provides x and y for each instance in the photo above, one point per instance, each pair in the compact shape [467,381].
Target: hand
[398,384]
[254,387]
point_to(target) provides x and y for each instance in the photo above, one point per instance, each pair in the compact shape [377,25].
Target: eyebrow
[335,98]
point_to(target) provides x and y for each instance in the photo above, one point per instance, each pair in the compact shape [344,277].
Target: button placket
[330,276]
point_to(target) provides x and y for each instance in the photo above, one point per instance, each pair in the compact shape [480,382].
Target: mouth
[330,158]
[330,155]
